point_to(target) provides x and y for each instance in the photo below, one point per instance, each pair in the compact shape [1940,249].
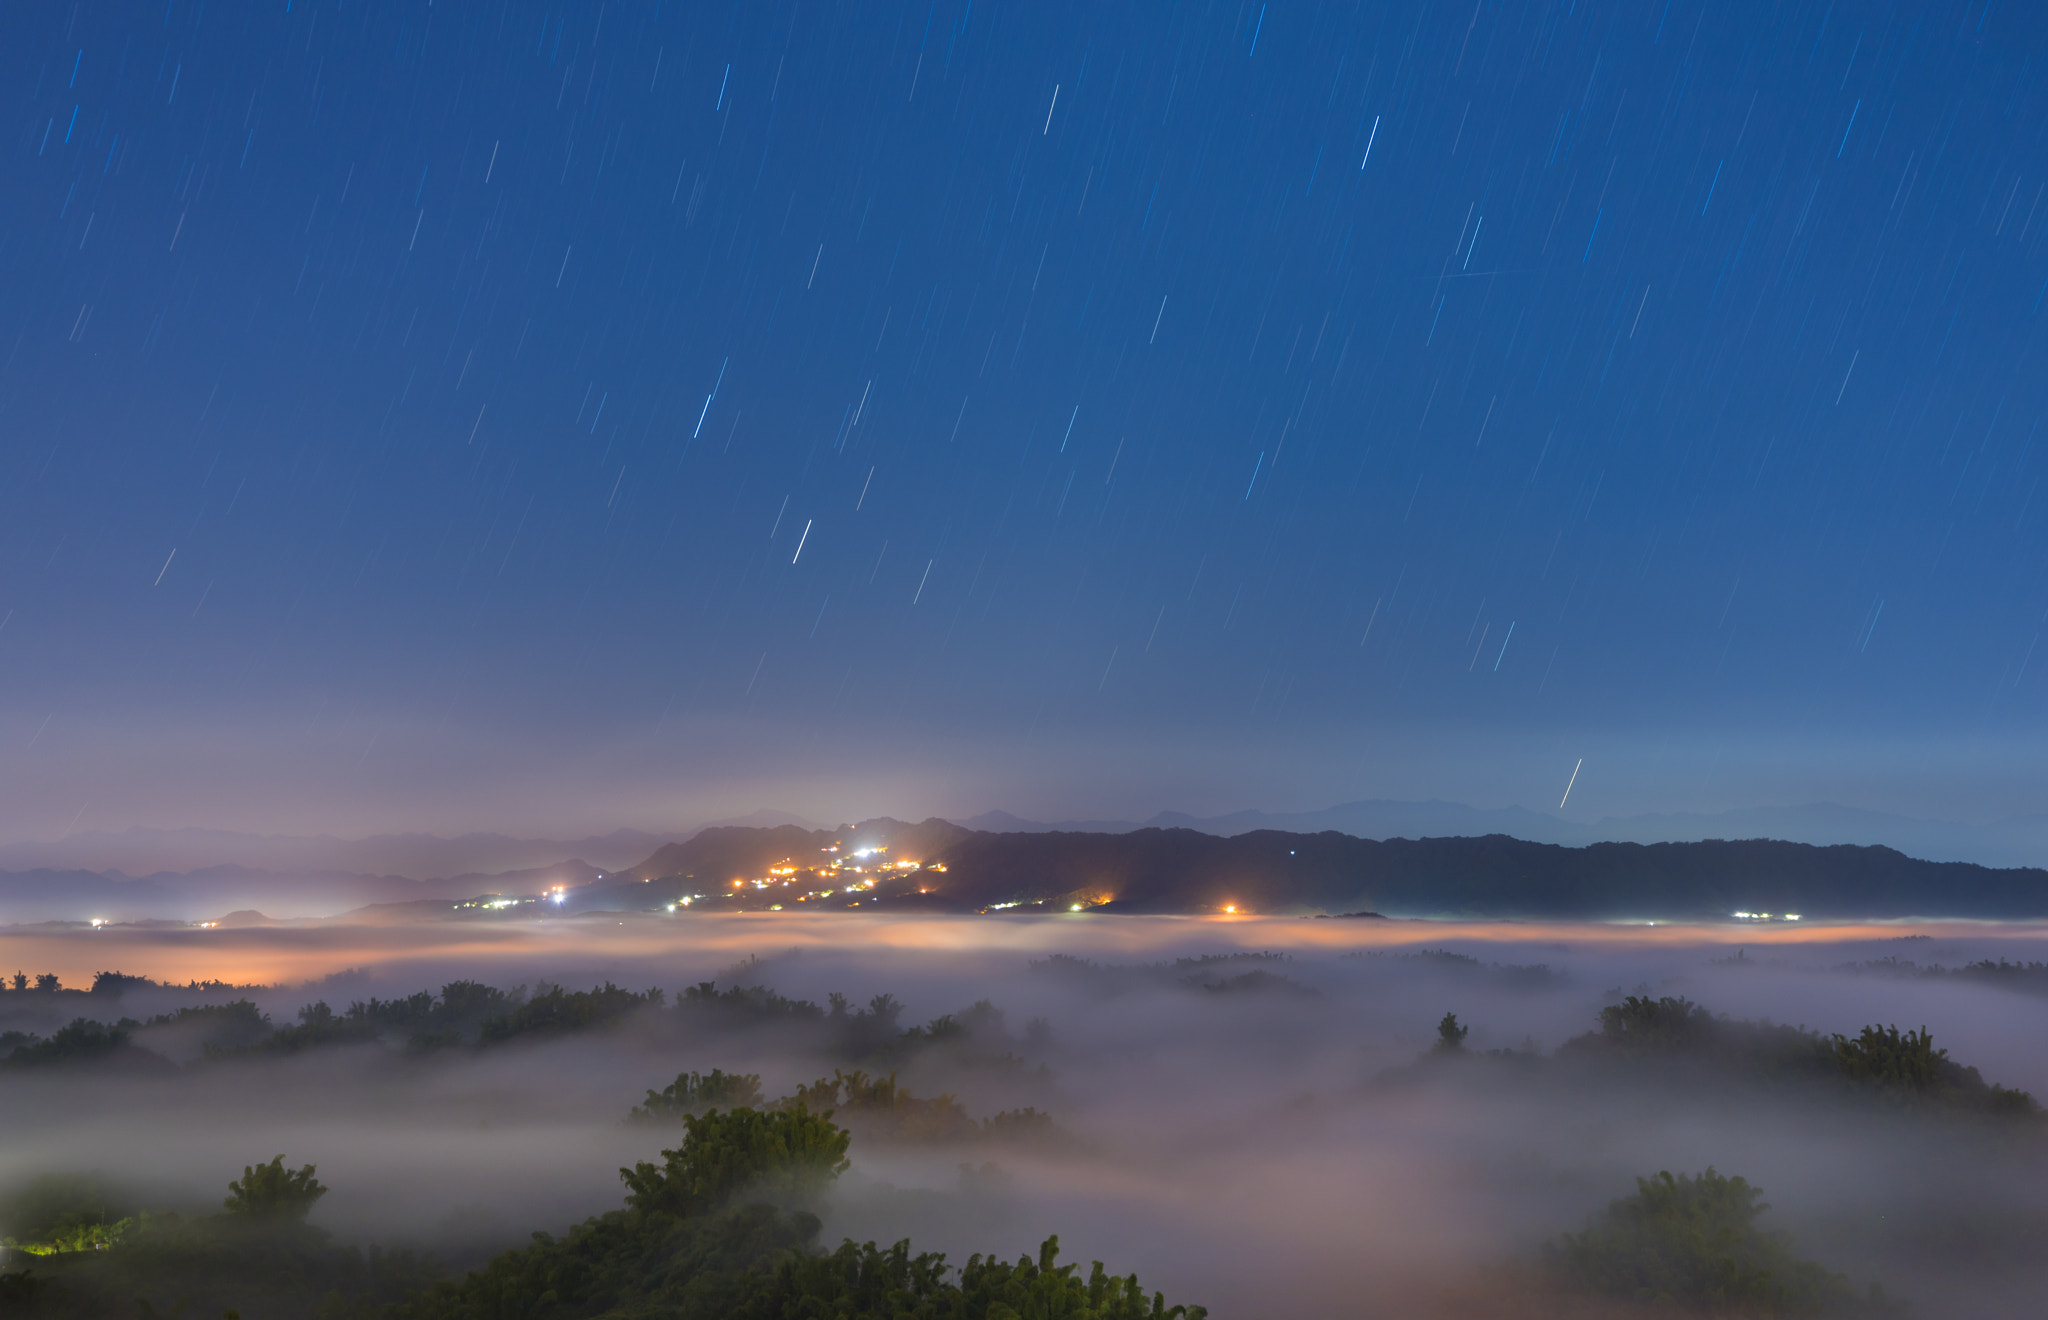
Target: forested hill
[1269,871]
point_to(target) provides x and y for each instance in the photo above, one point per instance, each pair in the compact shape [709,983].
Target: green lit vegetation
[92,1258]
[64,1212]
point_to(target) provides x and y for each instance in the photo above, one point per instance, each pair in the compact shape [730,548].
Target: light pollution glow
[309,951]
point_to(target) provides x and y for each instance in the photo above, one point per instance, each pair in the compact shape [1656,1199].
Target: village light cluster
[495,903]
[841,879]
[839,875]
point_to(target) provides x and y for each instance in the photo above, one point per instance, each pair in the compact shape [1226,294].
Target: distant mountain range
[200,874]
[2016,841]
[2019,841]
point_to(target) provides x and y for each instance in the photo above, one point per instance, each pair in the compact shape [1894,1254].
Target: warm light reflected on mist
[300,953]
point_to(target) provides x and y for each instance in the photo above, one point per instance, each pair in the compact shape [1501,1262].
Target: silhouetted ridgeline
[1268,871]
[1179,870]
[935,865]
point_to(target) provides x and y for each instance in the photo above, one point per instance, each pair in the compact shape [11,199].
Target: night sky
[527,416]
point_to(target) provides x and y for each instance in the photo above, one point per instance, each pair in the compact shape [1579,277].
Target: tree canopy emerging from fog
[788,1156]
[271,1191]
[693,1093]
[696,1241]
[877,1107]
[1694,1241]
[469,1015]
[1885,1057]
[85,1042]
[556,1011]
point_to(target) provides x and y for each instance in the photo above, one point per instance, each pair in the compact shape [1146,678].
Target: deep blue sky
[526,415]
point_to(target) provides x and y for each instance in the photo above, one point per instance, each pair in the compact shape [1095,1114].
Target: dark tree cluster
[471,1015]
[2029,977]
[1241,972]
[1683,1039]
[45,983]
[464,1013]
[1901,1067]
[82,1042]
[875,1107]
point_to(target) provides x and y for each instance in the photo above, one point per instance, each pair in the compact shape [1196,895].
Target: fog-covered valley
[1262,1117]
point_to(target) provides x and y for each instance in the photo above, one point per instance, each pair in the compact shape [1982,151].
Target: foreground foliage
[702,1238]
[718,1230]
[258,1257]
[64,1212]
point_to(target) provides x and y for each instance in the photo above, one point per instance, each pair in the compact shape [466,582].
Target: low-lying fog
[1241,1143]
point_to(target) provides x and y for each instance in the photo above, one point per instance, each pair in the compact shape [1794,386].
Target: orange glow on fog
[298,953]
